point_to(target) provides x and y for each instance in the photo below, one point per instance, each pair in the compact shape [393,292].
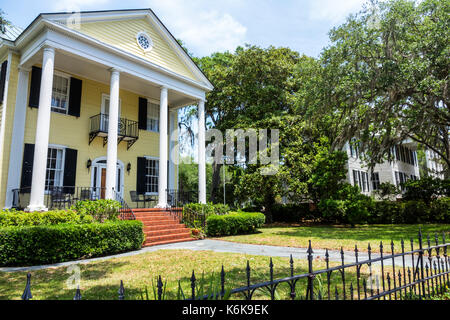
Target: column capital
[48,48]
[164,88]
[114,70]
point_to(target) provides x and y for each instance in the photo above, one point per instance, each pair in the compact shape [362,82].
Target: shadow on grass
[365,233]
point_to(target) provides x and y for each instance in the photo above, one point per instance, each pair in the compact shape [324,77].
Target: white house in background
[403,168]
[435,169]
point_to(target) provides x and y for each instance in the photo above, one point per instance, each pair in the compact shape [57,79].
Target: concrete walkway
[231,247]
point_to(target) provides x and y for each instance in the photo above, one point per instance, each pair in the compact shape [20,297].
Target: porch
[107,120]
[64,197]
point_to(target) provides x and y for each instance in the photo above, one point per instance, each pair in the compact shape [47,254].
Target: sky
[207,26]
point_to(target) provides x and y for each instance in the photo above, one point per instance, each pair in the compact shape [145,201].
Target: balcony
[127,129]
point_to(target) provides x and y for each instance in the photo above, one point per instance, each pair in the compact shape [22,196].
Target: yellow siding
[73,132]
[122,34]
[8,117]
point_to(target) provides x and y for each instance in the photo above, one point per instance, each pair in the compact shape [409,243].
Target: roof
[20,32]
[11,32]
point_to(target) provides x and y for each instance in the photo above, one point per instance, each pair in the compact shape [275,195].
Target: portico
[52,50]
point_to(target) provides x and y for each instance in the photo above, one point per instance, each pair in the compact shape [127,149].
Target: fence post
[310,271]
[27,292]
[421,264]
[121,291]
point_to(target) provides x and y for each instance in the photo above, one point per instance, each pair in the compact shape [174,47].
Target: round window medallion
[144,41]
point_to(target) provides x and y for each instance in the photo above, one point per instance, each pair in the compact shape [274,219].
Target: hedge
[35,245]
[234,223]
[21,218]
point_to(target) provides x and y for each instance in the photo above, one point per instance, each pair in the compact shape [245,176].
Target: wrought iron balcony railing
[128,130]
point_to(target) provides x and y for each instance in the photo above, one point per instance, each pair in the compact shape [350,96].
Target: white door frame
[99,166]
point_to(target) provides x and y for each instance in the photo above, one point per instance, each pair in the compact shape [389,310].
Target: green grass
[333,237]
[101,279]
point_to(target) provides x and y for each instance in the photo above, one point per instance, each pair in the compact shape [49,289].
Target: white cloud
[202,29]
[334,10]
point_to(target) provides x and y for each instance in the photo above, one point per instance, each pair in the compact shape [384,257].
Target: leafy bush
[333,210]
[208,208]
[234,223]
[440,210]
[22,218]
[43,244]
[101,210]
[426,189]
[386,212]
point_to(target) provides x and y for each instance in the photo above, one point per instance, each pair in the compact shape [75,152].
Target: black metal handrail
[125,212]
[176,199]
[429,276]
[126,127]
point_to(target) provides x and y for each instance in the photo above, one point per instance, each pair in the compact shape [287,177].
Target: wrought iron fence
[427,275]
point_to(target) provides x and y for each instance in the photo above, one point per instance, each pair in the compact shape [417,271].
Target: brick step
[150,210]
[151,219]
[159,223]
[176,236]
[166,242]
[172,226]
[149,234]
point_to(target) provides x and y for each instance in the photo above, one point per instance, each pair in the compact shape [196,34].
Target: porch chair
[59,199]
[135,198]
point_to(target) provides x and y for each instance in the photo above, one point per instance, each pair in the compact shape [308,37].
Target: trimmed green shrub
[333,210]
[208,208]
[35,245]
[234,223]
[426,189]
[22,218]
[440,210]
[101,210]
[386,212]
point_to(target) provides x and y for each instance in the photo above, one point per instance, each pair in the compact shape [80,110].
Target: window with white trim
[55,168]
[60,94]
[152,175]
[152,117]
[375,181]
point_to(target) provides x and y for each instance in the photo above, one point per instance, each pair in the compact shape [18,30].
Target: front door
[98,178]
[103,183]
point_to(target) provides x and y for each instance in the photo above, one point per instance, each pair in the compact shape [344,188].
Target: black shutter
[3,80]
[141,172]
[75,97]
[142,114]
[70,170]
[35,87]
[27,168]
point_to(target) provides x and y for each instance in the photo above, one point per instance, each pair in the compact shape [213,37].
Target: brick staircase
[160,227]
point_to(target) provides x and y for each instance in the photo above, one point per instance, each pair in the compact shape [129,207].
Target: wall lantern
[128,167]
[88,164]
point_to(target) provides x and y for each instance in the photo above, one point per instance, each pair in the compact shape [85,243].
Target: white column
[172,149]
[42,133]
[163,149]
[17,139]
[113,123]
[201,153]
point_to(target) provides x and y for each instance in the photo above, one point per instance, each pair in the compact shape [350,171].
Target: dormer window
[144,41]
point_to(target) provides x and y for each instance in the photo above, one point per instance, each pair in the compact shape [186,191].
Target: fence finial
[27,292]
[77,294]
[121,291]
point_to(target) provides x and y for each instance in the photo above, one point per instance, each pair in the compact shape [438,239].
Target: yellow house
[89,110]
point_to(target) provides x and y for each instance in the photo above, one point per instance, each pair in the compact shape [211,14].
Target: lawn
[101,279]
[333,237]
